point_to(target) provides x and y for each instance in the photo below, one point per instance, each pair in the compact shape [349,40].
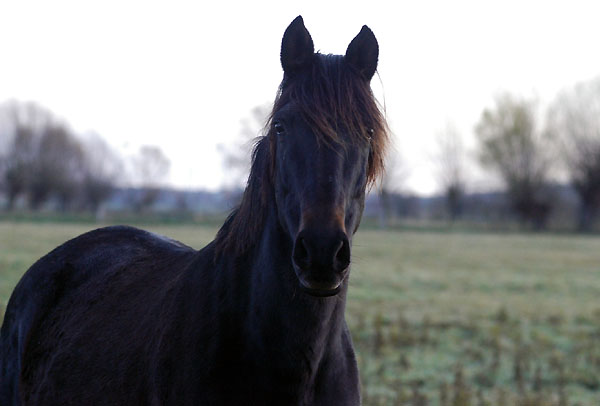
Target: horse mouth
[320,290]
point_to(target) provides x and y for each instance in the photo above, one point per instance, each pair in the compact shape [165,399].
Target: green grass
[494,308]
[439,318]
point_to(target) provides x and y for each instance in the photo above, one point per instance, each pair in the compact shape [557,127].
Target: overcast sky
[181,75]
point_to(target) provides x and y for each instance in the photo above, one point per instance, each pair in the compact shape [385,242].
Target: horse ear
[297,47]
[362,53]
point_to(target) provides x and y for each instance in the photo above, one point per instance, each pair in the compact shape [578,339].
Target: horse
[122,316]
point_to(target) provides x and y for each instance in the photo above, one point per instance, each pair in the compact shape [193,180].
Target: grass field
[440,318]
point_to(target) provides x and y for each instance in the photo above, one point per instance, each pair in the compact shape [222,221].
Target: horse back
[120,275]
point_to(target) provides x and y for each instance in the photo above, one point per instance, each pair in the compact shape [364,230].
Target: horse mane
[331,93]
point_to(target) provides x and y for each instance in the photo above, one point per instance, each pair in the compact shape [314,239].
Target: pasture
[438,318]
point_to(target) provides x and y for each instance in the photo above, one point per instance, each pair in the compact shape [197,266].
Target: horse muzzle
[321,260]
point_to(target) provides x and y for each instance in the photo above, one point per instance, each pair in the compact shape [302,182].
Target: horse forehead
[322,152]
[307,132]
[330,169]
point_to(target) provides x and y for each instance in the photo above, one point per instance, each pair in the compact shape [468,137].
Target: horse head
[327,135]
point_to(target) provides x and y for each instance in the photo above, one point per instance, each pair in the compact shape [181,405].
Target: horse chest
[331,381]
[268,390]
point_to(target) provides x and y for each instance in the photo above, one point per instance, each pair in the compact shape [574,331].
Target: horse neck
[278,309]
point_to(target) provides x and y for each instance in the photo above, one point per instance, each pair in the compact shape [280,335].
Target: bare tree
[151,168]
[17,162]
[58,168]
[511,145]
[42,159]
[101,173]
[450,161]
[390,188]
[22,126]
[574,120]
[236,156]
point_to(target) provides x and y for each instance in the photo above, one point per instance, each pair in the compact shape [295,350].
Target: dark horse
[121,316]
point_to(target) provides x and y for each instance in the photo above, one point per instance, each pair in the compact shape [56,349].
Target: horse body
[122,316]
[97,301]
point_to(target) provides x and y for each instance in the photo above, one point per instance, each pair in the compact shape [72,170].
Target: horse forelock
[334,100]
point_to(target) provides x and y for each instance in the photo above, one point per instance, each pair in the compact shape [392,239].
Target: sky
[182,75]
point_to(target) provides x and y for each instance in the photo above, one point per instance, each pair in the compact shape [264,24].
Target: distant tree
[510,144]
[101,173]
[574,121]
[41,159]
[21,127]
[151,167]
[389,189]
[17,162]
[58,168]
[450,160]
[236,156]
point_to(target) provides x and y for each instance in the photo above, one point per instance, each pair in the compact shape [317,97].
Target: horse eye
[278,128]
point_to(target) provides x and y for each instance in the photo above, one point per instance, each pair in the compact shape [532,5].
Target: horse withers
[121,316]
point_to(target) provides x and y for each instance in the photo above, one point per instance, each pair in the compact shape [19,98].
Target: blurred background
[477,268]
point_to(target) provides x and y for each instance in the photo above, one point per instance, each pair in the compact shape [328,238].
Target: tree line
[44,162]
[531,153]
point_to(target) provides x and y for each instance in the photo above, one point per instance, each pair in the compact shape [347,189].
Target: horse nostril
[301,255]
[342,256]
[318,252]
